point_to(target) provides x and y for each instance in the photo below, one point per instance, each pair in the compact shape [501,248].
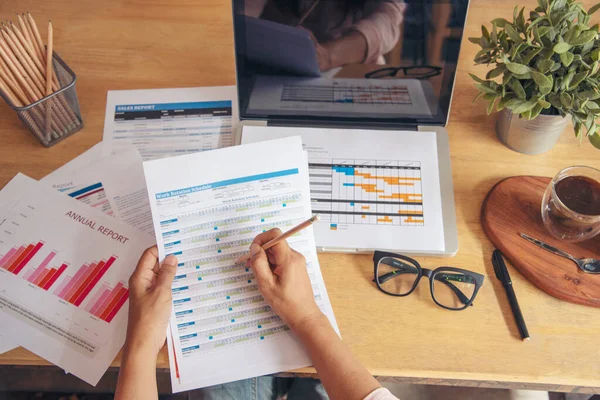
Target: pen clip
[500,268]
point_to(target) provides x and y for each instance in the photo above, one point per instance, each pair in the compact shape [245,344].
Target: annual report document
[207,208]
[64,268]
[169,122]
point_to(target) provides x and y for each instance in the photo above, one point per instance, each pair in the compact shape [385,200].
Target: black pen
[504,277]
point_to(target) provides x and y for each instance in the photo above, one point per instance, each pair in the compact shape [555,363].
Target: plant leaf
[561,47]
[521,20]
[512,33]
[534,52]
[517,89]
[566,100]
[566,58]
[595,139]
[545,65]
[592,105]
[475,40]
[593,9]
[485,89]
[490,106]
[555,100]
[580,76]
[476,78]
[544,82]
[535,111]
[582,39]
[500,22]
[558,4]
[545,105]
[521,107]
[499,70]
[518,69]
[485,32]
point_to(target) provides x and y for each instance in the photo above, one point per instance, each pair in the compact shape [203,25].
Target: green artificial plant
[547,64]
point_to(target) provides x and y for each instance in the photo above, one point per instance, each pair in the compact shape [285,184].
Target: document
[114,184]
[169,122]
[6,345]
[373,189]
[86,158]
[207,209]
[64,268]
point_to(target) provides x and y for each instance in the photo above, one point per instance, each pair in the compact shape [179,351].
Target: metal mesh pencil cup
[56,116]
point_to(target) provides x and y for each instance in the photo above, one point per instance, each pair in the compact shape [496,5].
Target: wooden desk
[152,43]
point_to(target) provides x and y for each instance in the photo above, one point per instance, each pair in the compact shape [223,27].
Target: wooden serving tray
[514,206]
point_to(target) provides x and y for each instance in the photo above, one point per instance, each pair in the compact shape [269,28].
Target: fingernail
[254,249]
[171,260]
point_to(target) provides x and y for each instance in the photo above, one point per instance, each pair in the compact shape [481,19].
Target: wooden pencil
[49,53]
[27,76]
[39,73]
[36,37]
[19,75]
[24,60]
[281,237]
[13,85]
[25,33]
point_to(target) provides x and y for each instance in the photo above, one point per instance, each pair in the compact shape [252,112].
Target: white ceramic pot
[535,136]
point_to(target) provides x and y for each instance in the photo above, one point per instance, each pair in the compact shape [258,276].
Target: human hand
[323,53]
[283,280]
[150,301]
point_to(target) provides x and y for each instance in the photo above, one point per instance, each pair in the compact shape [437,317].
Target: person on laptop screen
[344,32]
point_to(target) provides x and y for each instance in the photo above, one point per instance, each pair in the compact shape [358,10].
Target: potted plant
[546,69]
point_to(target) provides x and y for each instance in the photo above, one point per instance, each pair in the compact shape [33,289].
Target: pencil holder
[56,116]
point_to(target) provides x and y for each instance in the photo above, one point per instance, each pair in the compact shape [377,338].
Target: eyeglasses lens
[453,289]
[396,276]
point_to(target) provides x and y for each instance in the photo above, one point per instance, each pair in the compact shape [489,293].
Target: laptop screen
[368,61]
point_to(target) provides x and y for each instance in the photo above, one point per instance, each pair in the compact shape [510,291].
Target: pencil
[282,237]
[307,12]
[49,78]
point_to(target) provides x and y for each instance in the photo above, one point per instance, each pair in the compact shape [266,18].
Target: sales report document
[207,209]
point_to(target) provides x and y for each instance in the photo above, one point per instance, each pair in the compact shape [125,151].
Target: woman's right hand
[283,280]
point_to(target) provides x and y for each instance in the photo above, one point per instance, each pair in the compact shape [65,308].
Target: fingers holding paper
[150,300]
[283,279]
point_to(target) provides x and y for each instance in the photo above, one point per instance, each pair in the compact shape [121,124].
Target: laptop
[373,123]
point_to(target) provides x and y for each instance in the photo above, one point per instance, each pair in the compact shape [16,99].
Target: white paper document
[373,189]
[207,209]
[64,269]
[169,122]
[114,184]
[7,344]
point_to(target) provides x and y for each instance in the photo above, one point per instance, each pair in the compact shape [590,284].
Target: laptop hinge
[371,125]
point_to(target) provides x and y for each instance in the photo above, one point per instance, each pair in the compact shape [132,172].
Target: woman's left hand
[150,302]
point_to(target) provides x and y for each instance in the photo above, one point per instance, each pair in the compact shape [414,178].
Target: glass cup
[571,204]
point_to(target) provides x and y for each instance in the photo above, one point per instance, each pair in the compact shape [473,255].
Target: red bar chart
[108,301]
[45,277]
[18,257]
[74,289]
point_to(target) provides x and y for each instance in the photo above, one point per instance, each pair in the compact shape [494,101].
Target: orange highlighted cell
[384,219]
[403,196]
[410,219]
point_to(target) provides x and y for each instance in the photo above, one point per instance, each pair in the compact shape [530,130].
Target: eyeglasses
[415,72]
[451,288]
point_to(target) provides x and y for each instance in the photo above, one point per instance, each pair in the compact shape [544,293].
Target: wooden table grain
[135,44]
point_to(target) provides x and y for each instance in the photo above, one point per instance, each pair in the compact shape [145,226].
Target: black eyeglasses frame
[431,274]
